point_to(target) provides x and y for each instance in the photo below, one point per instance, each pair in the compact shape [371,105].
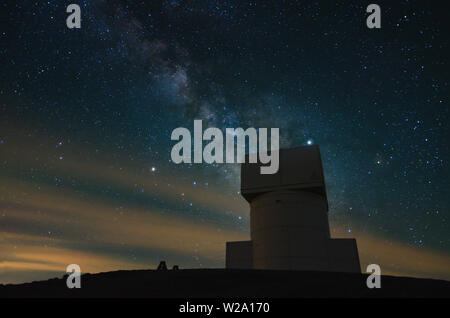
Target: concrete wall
[239,255]
[343,256]
[290,231]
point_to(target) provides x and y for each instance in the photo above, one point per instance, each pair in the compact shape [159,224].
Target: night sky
[86,116]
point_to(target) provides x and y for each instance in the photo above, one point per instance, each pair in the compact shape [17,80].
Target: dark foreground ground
[229,283]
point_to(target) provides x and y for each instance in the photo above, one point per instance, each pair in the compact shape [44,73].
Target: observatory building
[289,227]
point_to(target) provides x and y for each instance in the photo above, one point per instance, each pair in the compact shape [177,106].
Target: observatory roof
[300,169]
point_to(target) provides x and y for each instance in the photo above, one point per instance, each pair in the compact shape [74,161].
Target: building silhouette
[289,227]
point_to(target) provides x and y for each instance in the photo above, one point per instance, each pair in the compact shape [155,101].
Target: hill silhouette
[228,283]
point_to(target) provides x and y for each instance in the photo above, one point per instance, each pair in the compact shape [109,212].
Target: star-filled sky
[86,117]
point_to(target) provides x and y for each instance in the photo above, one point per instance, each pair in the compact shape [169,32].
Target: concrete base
[341,256]
[239,255]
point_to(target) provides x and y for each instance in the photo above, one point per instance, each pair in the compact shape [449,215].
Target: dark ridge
[191,283]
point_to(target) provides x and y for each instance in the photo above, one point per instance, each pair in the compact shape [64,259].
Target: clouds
[97,235]
[96,215]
